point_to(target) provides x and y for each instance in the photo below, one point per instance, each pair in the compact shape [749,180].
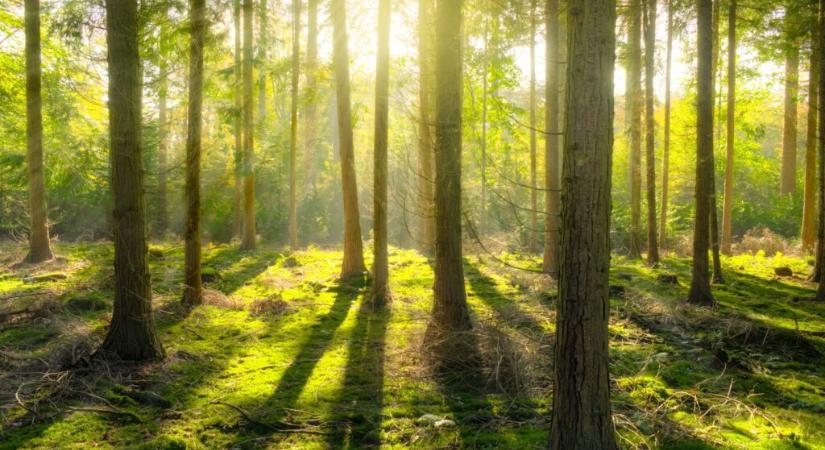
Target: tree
[426,155]
[310,110]
[789,129]
[238,126]
[39,247]
[666,144]
[193,285]
[581,414]
[448,330]
[534,204]
[163,130]
[700,280]
[293,133]
[380,268]
[711,180]
[485,93]
[820,245]
[634,106]
[131,335]
[650,129]
[353,264]
[727,207]
[809,206]
[550,262]
[248,238]
[263,44]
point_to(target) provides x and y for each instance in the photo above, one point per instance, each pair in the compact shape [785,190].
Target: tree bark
[634,97]
[293,134]
[193,285]
[39,247]
[426,155]
[666,145]
[163,131]
[809,207]
[131,335]
[727,208]
[700,278]
[650,130]
[789,129]
[581,414]
[552,202]
[237,127]
[380,268]
[534,201]
[310,110]
[353,264]
[820,244]
[248,238]
[714,216]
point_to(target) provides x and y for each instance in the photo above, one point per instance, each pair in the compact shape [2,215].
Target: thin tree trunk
[650,130]
[666,146]
[552,206]
[163,131]
[714,216]
[353,264]
[131,335]
[293,136]
[426,155]
[310,110]
[380,268]
[534,201]
[700,277]
[581,414]
[39,247]
[248,240]
[237,128]
[482,218]
[263,43]
[634,96]
[727,208]
[809,207]
[193,285]
[820,244]
[789,130]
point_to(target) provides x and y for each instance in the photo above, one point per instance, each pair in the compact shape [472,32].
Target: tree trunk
[666,146]
[650,130]
[193,286]
[581,414]
[789,130]
[263,43]
[248,239]
[380,268]
[550,263]
[237,128]
[39,248]
[485,87]
[293,136]
[310,110]
[163,131]
[714,216]
[426,155]
[820,244]
[634,97]
[727,208]
[353,264]
[534,201]
[131,335]
[700,277]
[809,207]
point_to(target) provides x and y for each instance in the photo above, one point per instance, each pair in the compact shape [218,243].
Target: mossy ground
[290,344]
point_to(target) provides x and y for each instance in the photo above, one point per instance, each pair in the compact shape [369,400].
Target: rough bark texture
[248,238]
[552,201]
[727,206]
[293,132]
[809,206]
[131,335]
[310,110]
[192,283]
[650,130]
[426,155]
[353,252]
[534,194]
[581,417]
[380,268]
[634,99]
[789,129]
[237,127]
[700,276]
[666,144]
[39,248]
[448,331]
[162,222]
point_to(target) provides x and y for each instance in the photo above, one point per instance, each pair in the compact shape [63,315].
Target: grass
[281,343]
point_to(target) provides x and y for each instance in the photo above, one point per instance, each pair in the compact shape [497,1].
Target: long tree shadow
[361,398]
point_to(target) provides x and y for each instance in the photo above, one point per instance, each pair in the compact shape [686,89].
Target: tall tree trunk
[714,216]
[727,208]
[248,239]
[163,130]
[552,204]
[666,146]
[634,96]
[581,414]
[237,127]
[650,130]
[310,110]
[485,87]
[380,268]
[820,244]
[700,276]
[534,201]
[39,248]
[293,136]
[809,207]
[448,331]
[263,43]
[353,264]
[789,130]
[193,286]
[131,335]
[426,155]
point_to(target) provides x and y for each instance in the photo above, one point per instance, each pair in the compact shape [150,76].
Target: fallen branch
[277,427]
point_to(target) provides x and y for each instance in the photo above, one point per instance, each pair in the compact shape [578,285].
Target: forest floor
[282,355]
